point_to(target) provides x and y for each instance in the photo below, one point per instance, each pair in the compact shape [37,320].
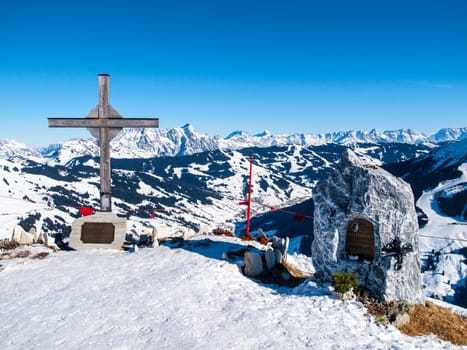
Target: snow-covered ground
[181,298]
[445,235]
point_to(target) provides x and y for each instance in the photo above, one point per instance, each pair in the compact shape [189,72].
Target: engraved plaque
[97,232]
[360,239]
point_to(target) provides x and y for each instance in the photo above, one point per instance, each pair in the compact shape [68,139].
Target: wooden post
[104,144]
[105,190]
[104,95]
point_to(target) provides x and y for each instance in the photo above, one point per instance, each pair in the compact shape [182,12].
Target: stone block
[33,232]
[203,229]
[21,237]
[253,264]
[279,256]
[270,258]
[101,230]
[41,239]
[162,231]
[16,235]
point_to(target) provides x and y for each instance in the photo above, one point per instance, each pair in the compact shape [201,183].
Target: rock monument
[365,222]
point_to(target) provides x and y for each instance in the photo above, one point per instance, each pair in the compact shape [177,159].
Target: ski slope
[445,235]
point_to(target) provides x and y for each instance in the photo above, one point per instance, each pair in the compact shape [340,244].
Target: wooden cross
[104,123]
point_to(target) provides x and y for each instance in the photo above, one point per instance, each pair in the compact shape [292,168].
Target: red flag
[85,211]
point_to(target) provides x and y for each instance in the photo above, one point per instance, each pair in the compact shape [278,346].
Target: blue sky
[286,66]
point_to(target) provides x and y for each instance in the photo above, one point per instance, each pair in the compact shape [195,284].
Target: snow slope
[165,298]
[438,224]
[446,236]
[204,188]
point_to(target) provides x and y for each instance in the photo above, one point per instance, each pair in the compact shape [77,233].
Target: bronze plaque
[97,232]
[360,240]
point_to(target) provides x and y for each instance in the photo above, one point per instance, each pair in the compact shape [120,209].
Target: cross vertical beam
[103,85]
[104,144]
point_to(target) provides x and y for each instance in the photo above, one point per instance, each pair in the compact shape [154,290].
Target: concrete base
[101,230]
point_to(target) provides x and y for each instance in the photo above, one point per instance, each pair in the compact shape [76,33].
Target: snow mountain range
[147,143]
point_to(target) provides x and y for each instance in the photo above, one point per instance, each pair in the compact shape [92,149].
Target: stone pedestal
[101,230]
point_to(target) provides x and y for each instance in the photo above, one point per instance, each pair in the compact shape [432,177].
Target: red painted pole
[248,212]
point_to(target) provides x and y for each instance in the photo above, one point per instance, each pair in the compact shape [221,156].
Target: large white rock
[203,229]
[22,237]
[359,191]
[41,238]
[16,235]
[270,258]
[33,232]
[253,264]
[162,231]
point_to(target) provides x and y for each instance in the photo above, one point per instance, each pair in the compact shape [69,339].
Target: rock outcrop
[22,237]
[365,221]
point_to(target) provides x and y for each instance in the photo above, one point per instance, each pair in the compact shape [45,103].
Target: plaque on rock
[360,239]
[98,232]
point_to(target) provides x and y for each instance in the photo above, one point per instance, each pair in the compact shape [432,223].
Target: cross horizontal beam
[103,122]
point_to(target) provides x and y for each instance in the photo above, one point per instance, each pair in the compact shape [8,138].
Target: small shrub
[6,244]
[342,282]
[381,320]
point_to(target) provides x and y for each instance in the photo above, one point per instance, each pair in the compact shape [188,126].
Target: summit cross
[104,123]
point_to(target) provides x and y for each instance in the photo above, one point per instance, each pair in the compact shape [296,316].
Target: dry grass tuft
[222,232]
[263,240]
[5,256]
[247,238]
[40,255]
[375,308]
[431,318]
[22,254]
[6,244]
[424,319]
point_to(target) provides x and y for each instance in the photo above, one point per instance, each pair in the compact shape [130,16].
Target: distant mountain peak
[264,133]
[188,126]
[236,133]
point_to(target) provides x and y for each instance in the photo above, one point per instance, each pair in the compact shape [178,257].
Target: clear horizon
[288,67]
